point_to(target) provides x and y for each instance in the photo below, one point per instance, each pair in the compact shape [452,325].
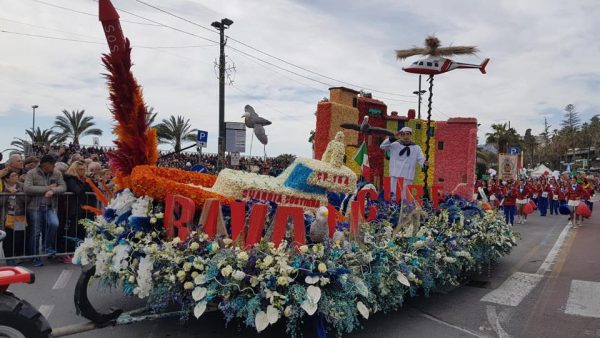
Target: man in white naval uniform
[404,155]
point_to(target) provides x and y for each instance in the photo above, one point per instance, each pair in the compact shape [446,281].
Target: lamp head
[227,22]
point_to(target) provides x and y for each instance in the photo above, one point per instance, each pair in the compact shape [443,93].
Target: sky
[544,55]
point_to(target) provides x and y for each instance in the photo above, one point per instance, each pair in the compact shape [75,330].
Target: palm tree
[39,138]
[74,125]
[502,136]
[175,131]
[151,116]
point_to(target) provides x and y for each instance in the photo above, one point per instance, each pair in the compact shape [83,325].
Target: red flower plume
[136,141]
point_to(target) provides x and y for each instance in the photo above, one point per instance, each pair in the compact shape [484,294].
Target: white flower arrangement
[120,258]
[290,281]
[144,278]
[123,202]
[141,207]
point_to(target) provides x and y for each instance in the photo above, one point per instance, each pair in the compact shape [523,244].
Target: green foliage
[175,131]
[75,125]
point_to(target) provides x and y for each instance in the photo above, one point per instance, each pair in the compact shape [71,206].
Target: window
[421,63]
[431,131]
[418,126]
[416,63]
[441,145]
[429,64]
[436,64]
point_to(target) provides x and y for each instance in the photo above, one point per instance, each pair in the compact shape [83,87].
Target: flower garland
[157,182]
[340,282]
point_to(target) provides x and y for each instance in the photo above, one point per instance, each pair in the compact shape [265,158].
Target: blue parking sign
[202,138]
[514,150]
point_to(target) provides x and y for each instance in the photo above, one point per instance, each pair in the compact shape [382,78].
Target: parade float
[264,249]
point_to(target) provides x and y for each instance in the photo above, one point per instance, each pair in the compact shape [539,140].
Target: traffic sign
[202,139]
[235,137]
[514,150]
[235,159]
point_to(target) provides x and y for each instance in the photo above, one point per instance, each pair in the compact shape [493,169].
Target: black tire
[20,315]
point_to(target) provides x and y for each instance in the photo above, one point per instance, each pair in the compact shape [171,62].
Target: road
[548,287]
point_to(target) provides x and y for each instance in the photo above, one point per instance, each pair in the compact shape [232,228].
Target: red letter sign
[186,216]
[281,221]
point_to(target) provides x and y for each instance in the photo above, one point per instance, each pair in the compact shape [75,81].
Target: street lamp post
[33,126]
[419,93]
[221,26]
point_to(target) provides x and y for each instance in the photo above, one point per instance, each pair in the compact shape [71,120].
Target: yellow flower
[227,241]
[194,274]
[188,285]
[187,267]
[268,260]
[282,280]
[242,256]
[226,271]
[322,267]
[288,311]
[181,275]
[303,248]
[194,246]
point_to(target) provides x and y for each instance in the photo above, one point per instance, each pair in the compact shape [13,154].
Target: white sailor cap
[405,130]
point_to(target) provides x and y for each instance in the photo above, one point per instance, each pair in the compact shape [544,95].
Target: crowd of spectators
[41,194]
[267,166]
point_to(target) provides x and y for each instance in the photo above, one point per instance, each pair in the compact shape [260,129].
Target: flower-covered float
[268,249]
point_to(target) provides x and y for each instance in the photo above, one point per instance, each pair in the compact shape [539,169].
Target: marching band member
[522,199]
[509,194]
[553,198]
[544,195]
[574,195]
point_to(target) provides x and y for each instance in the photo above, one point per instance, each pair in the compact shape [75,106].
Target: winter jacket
[36,185]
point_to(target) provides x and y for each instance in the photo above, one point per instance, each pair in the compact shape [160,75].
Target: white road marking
[514,289]
[494,319]
[63,279]
[475,334]
[46,310]
[551,257]
[584,299]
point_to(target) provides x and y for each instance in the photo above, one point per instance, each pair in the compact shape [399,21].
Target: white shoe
[570,224]
[525,220]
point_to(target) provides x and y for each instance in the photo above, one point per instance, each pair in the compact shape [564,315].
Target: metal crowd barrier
[20,244]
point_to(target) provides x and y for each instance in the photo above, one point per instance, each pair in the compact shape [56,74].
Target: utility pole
[34,107]
[419,94]
[221,26]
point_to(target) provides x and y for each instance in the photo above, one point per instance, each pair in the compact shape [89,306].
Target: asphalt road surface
[548,287]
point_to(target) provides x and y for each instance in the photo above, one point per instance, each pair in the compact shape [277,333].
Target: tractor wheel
[20,319]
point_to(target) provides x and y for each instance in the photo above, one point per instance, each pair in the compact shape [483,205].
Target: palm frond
[406,53]
[432,48]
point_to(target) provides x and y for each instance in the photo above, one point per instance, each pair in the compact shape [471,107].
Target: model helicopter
[434,65]
[435,62]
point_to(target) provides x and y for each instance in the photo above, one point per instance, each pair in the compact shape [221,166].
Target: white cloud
[543,56]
